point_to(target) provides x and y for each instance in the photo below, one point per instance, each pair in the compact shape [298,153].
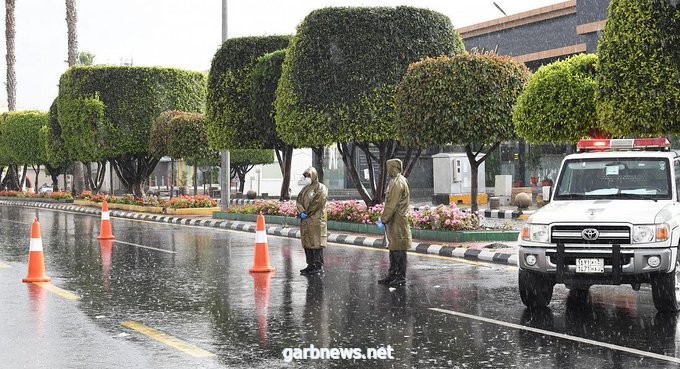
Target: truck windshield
[614,178]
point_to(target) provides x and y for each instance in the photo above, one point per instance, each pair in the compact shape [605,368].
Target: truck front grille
[605,234]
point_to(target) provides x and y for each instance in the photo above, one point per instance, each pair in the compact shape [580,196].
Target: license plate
[589,265]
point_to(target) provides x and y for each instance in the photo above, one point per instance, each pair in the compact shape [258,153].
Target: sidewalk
[490,251]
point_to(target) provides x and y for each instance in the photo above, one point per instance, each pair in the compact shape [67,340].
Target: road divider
[145,247]
[166,339]
[560,335]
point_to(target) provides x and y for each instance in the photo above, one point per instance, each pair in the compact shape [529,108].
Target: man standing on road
[311,205]
[397,227]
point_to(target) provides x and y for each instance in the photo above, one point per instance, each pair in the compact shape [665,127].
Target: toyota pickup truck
[613,219]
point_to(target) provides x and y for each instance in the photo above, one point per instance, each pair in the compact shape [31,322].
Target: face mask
[307,181]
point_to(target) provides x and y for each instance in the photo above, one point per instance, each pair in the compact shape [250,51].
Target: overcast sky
[174,33]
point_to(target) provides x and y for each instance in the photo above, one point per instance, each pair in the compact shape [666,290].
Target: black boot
[400,273]
[317,257]
[308,259]
[391,272]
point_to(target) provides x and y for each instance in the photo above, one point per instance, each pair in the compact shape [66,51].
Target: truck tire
[535,289]
[666,291]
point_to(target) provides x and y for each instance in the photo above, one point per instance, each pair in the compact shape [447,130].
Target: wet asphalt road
[192,285]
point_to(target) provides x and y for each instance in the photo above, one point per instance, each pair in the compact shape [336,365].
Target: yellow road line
[4,266]
[173,342]
[57,291]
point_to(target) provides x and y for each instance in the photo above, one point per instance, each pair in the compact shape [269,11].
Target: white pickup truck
[613,218]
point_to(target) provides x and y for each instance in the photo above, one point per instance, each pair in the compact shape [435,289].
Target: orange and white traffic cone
[261,259]
[36,259]
[105,232]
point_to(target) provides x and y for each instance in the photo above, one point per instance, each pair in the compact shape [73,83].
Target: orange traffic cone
[105,232]
[261,260]
[36,259]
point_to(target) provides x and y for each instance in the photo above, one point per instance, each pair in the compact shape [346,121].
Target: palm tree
[10,57]
[71,20]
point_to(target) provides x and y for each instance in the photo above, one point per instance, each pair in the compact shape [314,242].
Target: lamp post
[225,168]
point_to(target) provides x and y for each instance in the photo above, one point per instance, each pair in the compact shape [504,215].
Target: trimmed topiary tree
[466,99]
[264,79]
[558,104]
[107,112]
[639,69]
[229,114]
[21,137]
[339,77]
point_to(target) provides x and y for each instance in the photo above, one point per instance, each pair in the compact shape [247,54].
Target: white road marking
[145,247]
[561,335]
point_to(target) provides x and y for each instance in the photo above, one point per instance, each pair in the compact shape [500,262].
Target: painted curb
[421,248]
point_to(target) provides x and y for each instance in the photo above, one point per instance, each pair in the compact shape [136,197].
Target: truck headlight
[535,233]
[650,233]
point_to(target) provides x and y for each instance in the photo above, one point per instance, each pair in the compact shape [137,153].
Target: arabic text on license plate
[590,265]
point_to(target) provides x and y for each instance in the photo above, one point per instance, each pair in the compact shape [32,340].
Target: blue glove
[380,224]
[304,215]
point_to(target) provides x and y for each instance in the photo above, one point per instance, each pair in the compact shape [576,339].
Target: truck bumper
[621,265]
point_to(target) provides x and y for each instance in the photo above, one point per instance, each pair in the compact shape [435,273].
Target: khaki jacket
[312,200]
[397,198]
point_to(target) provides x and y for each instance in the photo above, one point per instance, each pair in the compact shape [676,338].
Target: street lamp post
[225,168]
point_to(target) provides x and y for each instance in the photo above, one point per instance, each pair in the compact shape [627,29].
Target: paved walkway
[503,252]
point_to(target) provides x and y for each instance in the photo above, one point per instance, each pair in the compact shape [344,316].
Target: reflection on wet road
[192,285]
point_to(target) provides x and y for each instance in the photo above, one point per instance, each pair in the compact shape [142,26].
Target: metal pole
[225,168]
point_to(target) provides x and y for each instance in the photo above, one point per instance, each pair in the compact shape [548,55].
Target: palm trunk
[10,56]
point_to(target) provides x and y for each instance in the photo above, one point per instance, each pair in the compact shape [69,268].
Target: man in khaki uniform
[311,205]
[397,227]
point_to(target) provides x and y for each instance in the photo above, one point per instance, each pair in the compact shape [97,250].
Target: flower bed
[55,196]
[442,217]
[181,202]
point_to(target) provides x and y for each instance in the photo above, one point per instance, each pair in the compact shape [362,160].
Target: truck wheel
[535,290]
[666,291]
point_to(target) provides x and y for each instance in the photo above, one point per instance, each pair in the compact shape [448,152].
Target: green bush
[558,104]
[228,111]
[639,69]
[106,112]
[342,66]
[21,137]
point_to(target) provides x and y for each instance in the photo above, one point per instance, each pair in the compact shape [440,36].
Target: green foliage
[21,137]
[342,66]
[463,99]
[107,111]
[639,69]
[187,138]
[264,79]
[228,109]
[54,143]
[558,104]
[245,157]
[160,134]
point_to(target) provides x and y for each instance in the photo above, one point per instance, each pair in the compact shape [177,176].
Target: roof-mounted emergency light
[606,144]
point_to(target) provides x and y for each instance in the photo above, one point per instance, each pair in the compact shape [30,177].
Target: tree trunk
[378,181]
[71,23]
[10,57]
[196,179]
[318,162]
[55,181]
[285,163]
[474,170]
[96,184]
[134,170]
[36,169]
